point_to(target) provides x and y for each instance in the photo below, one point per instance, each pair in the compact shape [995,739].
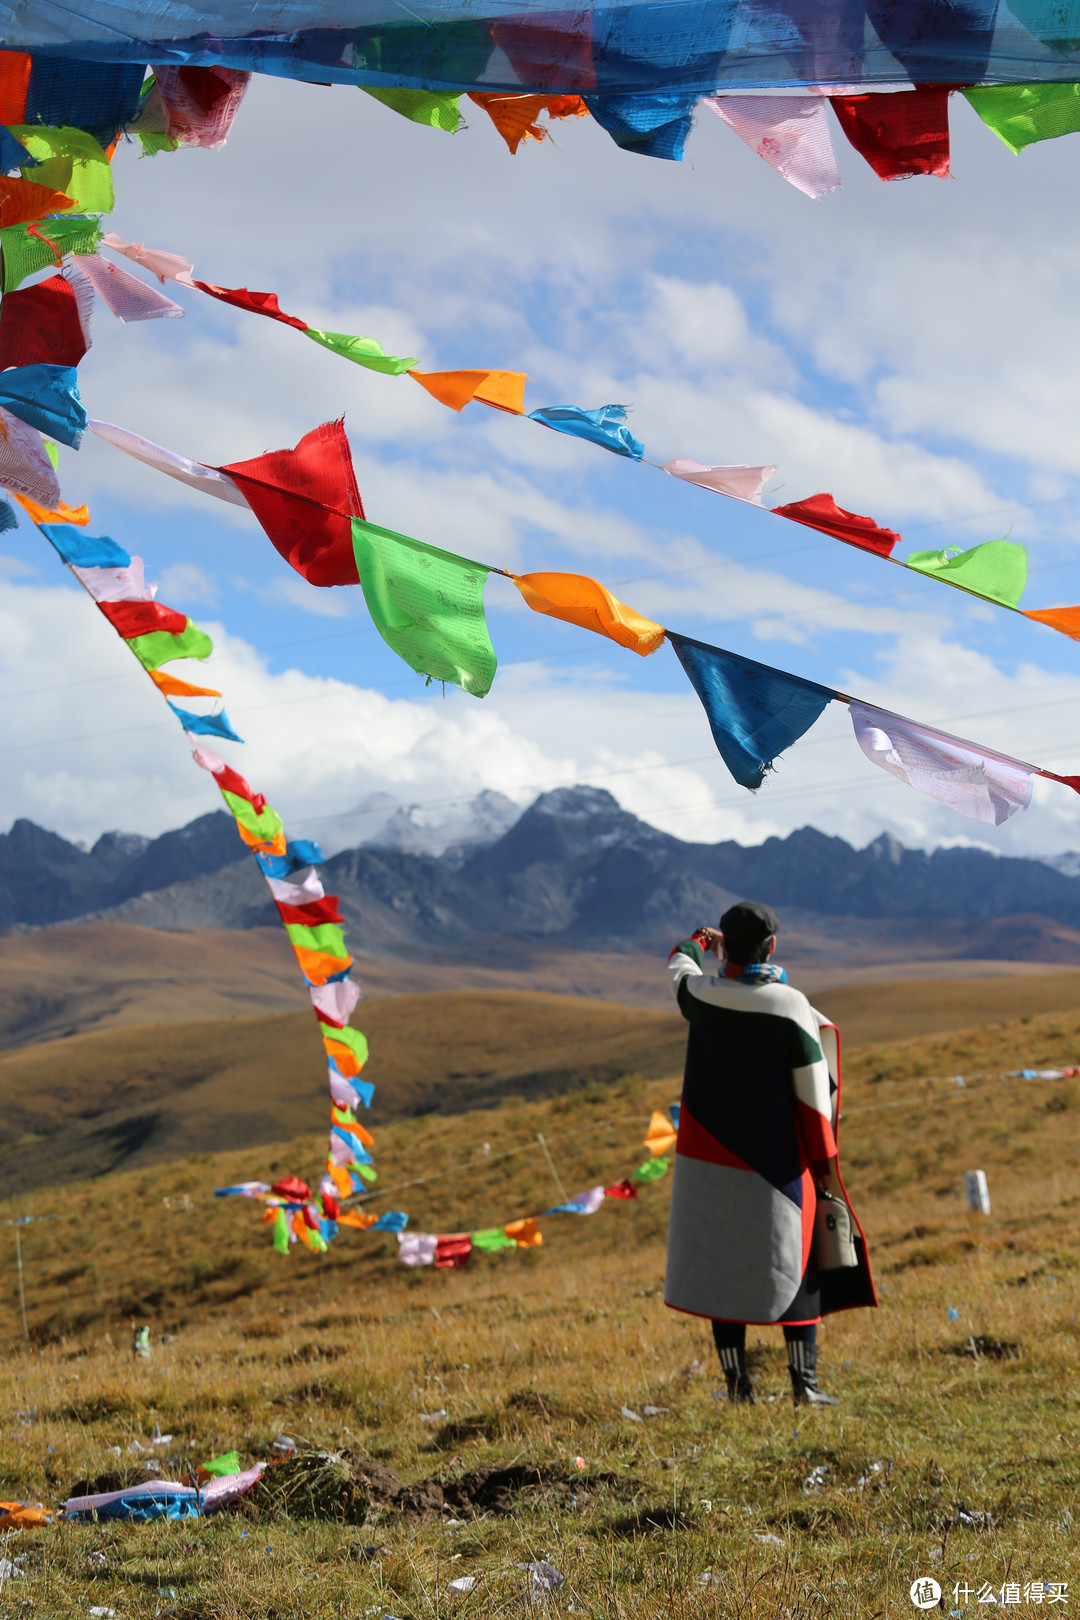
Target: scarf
[755,973]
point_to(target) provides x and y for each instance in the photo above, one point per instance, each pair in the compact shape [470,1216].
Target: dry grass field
[953,1454]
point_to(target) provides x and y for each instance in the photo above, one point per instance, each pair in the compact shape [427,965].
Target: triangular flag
[996,570]
[660,1136]
[304,499]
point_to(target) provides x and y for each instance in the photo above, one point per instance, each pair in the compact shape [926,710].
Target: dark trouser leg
[802,1365]
[730,1341]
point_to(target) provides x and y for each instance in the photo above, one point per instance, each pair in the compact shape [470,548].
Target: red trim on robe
[695,1142]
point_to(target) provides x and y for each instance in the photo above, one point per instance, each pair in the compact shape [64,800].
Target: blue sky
[905,346]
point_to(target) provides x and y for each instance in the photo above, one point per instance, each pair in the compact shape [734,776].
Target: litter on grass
[628,1412]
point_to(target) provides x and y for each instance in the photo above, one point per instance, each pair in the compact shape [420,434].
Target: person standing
[756,1156]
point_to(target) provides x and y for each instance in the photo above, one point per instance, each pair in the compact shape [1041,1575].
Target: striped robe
[757,1124]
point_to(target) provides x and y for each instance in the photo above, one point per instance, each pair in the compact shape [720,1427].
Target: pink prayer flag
[117,584]
[200,103]
[791,133]
[208,758]
[299,894]
[129,298]
[342,1091]
[335,1000]
[417,1248]
[975,781]
[193,473]
[166,266]
[25,467]
[741,483]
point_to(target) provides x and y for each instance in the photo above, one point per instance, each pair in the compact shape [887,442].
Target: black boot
[739,1386]
[802,1365]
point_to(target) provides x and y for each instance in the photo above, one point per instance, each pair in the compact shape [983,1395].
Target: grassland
[532,1356]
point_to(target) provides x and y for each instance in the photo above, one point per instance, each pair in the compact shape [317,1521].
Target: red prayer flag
[821,512]
[453,1251]
[305,500]
[316,911]
[230,781]
[622,1189]
[330,1206]
[258,303]
[41,325]
[899,134]
[1066,781]
[131,619]
[292,1188]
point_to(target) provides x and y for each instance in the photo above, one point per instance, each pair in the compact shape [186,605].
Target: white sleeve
[680,967]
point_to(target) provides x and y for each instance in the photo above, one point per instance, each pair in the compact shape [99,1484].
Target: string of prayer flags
[258,823]
[46,397]
[70,161]
[996,570]
[583,601]
[304,499]
[195,474]
[792,136]
[977,782]
[428,605]
[604,426]
[821,512]
[200,103]
[504,390]
[437,109]
[45,323]
[25,465]
[127,296]
[741,483]
[157,634]
[515,116]
[902,134]
[31,247]
[24,201]
[754,712]
[1020,114]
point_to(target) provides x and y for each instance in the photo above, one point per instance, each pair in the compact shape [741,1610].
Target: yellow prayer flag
[526,1233]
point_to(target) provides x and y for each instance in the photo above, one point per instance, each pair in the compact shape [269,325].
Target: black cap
[745,927]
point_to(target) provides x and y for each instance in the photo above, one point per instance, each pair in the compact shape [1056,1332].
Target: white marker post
[978,1193]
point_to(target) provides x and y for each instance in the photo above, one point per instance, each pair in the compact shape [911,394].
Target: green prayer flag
[227,1463]
[428,605]
[367,352]
[264,824]
[155,141]
[439,109]
[23,253]
[326,937]
[996,570]
[281,1232]
[71,161]
[52,451]
[651,1171]
[364,1170]
[1024,113]
[352,1038]
[492,1241]
[162,646]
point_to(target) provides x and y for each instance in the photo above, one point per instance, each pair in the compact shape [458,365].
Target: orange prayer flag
[317,966]
[265,846]
[340,1177]
[505,390]
[661,1134]
[14,85]
[584,601]
[526,1233]
[343,1056]
[79,515]
[514,116]
[354,1217]
[22,201]
[173,686]
[1066,619]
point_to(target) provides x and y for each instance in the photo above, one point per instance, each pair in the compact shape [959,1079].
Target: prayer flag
[70,161]
[505,390]
[996,570]
[602,426]
[492,1239]
[525,1233]
[651,124]
[124,584]
[514,116]
[207,480]
[129,298]
[30,247]
[320,966]
[364,351]
[1023,113]
[741,483]
[262,823]
[42,323]
[335,1002]
[299,852]
[978,783]
[166,266]
[158,647]
[585,602]
[281,1232]
[85,550]
[791,134]
[61,514]
[326,937]
[46,397]
[355,1217]
[15,67]
[23,201]
[258,303]
[437,109]
[131,619]
[391,1220]
[13,153]
[428,605]
[417,1248]
[652,1170]
[200,103]
[205,725]
[304,499]
[821,512]
[1065,619]
[754,711]
[8,520]
[296,894]
[585,1203]
[292,1189]
[173,686]
[899,134]
[660,1136]
[324,909]
[25,466]
[621,1189]
[452,1252]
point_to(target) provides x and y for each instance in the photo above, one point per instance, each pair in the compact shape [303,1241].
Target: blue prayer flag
[8,520]
[84,550]
[47,398]
[394,1220]
[754,712]
[298,854]
[601,426]
[653,126]
[13,154]
[206,725]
